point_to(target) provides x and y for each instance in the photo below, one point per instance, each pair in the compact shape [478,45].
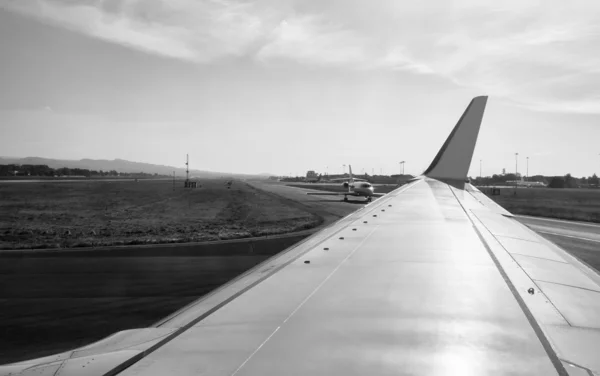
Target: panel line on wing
[305,300]
[533,281]
[330,274]
[255,351]
[589,371]
[567,285]
[545,342]
[537,257]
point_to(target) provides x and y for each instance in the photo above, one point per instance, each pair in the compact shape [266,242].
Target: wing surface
[431,279]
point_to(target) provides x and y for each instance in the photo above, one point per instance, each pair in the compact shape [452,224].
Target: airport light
[402,163]
[527,175]
[516,169]
[343,169]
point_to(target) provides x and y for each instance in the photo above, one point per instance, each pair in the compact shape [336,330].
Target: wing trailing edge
[453,160]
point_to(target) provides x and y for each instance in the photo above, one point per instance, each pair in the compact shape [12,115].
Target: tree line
[44,170]
[567,181]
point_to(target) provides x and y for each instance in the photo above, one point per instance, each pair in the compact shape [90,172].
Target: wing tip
[454,157]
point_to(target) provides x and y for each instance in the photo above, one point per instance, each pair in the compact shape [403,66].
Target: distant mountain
[119,165]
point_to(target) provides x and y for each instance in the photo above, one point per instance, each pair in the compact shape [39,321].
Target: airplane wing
[432,279]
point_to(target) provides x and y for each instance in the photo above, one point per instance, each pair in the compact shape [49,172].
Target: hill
[119,165]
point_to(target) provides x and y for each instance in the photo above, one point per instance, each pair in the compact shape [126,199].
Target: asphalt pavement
[331,208]
[589,232]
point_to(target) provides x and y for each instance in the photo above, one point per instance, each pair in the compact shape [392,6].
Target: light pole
[480,161]
[516,169]
[343,169]
[402,163]
[527,176]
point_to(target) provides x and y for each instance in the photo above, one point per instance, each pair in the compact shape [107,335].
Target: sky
[286,86]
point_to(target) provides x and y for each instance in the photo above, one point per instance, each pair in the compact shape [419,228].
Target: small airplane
[524,183]
[356,187]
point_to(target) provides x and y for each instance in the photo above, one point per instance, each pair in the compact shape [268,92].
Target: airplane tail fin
[350,172]
[453,160]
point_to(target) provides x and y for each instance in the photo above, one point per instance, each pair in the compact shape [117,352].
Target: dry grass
[100,213]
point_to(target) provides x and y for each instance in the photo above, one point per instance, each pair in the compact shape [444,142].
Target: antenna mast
[187,167]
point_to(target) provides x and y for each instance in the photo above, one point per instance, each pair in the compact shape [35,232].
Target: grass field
[100,213]
[573,204]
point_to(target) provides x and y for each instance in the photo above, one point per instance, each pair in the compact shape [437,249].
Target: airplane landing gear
[346,198]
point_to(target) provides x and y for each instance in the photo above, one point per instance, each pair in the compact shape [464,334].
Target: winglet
[453,160]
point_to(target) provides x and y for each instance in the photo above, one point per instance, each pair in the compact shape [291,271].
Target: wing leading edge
[430,279]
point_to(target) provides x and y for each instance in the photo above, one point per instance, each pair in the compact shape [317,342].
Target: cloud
[310,39]
[199,31]
[539,55]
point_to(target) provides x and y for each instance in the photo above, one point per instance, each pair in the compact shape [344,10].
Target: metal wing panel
[406,291]
[565,294]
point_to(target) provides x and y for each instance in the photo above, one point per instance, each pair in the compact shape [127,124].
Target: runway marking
[304,301]
[558,221]
[569,236]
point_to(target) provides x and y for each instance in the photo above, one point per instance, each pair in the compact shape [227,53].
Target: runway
[331,208]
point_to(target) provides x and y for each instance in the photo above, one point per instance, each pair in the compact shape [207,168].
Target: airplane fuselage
[362,189]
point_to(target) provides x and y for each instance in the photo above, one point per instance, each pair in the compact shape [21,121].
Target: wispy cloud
[542,56]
